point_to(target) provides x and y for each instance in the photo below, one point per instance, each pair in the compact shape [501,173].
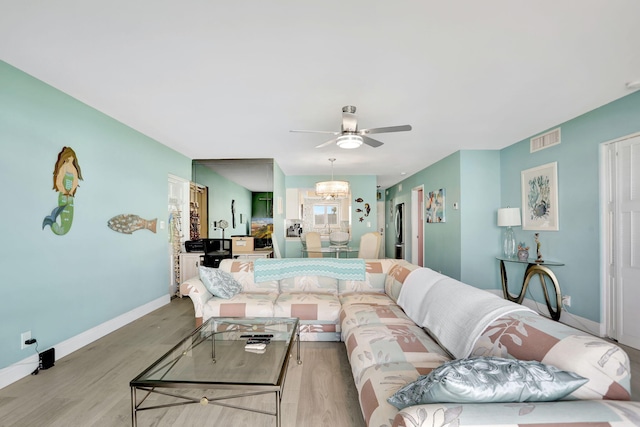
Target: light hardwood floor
[91,386]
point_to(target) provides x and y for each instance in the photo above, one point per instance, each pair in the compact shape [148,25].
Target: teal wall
[479,203]
[577,243]
[362,186]
[221,193]
[60,286]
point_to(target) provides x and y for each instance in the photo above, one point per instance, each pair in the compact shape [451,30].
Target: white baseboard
[566,316]
[26,366]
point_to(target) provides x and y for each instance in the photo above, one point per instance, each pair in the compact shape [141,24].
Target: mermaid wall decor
[66,175]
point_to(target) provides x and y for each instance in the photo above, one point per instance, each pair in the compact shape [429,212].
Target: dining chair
[338,238]
[369,246]
[313,241]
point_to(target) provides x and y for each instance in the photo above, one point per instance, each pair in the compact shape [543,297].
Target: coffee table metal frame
[244,390]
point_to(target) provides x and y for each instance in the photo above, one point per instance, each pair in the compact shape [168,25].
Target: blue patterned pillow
[488,379]
[219,283]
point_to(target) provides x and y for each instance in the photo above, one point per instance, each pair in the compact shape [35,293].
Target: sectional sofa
[400,322]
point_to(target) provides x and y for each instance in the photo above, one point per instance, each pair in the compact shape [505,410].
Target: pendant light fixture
[332,189]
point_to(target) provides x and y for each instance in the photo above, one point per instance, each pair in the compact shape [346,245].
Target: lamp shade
[508,217]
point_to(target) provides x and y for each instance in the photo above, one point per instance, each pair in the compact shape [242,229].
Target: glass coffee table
[214,358]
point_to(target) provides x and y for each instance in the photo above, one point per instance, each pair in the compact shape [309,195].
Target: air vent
[545,140]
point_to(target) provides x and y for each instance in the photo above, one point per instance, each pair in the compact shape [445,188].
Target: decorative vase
[523,254]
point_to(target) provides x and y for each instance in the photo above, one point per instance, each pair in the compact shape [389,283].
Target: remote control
[257,346]
[257,336]
[258,340]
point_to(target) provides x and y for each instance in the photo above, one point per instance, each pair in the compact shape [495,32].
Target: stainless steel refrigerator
[399,225]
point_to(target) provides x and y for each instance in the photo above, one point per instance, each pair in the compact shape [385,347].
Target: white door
[625,242]
[417,225]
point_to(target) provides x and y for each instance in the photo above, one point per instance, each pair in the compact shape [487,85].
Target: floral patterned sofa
[388,350]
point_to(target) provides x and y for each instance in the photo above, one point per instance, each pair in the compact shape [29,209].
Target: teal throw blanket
[265,269]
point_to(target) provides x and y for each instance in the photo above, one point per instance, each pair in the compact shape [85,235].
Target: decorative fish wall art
[128,223]
[367,208]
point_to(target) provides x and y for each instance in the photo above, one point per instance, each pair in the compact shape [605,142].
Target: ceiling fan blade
[371,142]
[324,144]
[317,131]
[402,128]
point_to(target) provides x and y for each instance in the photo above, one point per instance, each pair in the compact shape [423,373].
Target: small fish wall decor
[366,210]
[128,223]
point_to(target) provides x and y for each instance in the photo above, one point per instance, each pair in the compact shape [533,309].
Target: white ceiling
[229,79]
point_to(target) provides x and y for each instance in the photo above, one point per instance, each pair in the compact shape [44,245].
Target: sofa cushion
[309,284]
[365,298]
[240,305]
[374,281]
[308,306]
[378,382]
[354,315]
[486,380]
[242,271]
[396,276]
[381,344]
[318,314]
[219,283]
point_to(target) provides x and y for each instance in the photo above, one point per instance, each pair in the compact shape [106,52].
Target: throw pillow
[219,283]
[488,379]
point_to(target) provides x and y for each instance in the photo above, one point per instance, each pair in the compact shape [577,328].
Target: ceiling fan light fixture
[349,142]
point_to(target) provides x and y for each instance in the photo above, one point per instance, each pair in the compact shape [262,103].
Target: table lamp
[509,217]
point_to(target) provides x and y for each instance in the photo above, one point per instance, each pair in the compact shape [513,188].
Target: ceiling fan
[350,137]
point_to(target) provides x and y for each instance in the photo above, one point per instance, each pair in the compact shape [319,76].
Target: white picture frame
[540,209]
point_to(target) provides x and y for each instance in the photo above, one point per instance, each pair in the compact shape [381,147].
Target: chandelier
[332,189]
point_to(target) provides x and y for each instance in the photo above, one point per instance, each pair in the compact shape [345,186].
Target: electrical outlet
[566,300]
[23,337]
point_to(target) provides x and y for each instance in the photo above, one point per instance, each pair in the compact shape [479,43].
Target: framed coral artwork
[540,198]
[435,206]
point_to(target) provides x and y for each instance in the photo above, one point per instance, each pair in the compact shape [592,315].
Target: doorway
[178,214]
[417,225]
[621,237]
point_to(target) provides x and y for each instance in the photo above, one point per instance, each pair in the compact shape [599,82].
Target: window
[313,213]
[325,214]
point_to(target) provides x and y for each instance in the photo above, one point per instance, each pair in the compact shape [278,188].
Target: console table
[542,270]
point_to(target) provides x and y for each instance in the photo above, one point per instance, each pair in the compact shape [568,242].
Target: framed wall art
[540,198]
[435,206]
